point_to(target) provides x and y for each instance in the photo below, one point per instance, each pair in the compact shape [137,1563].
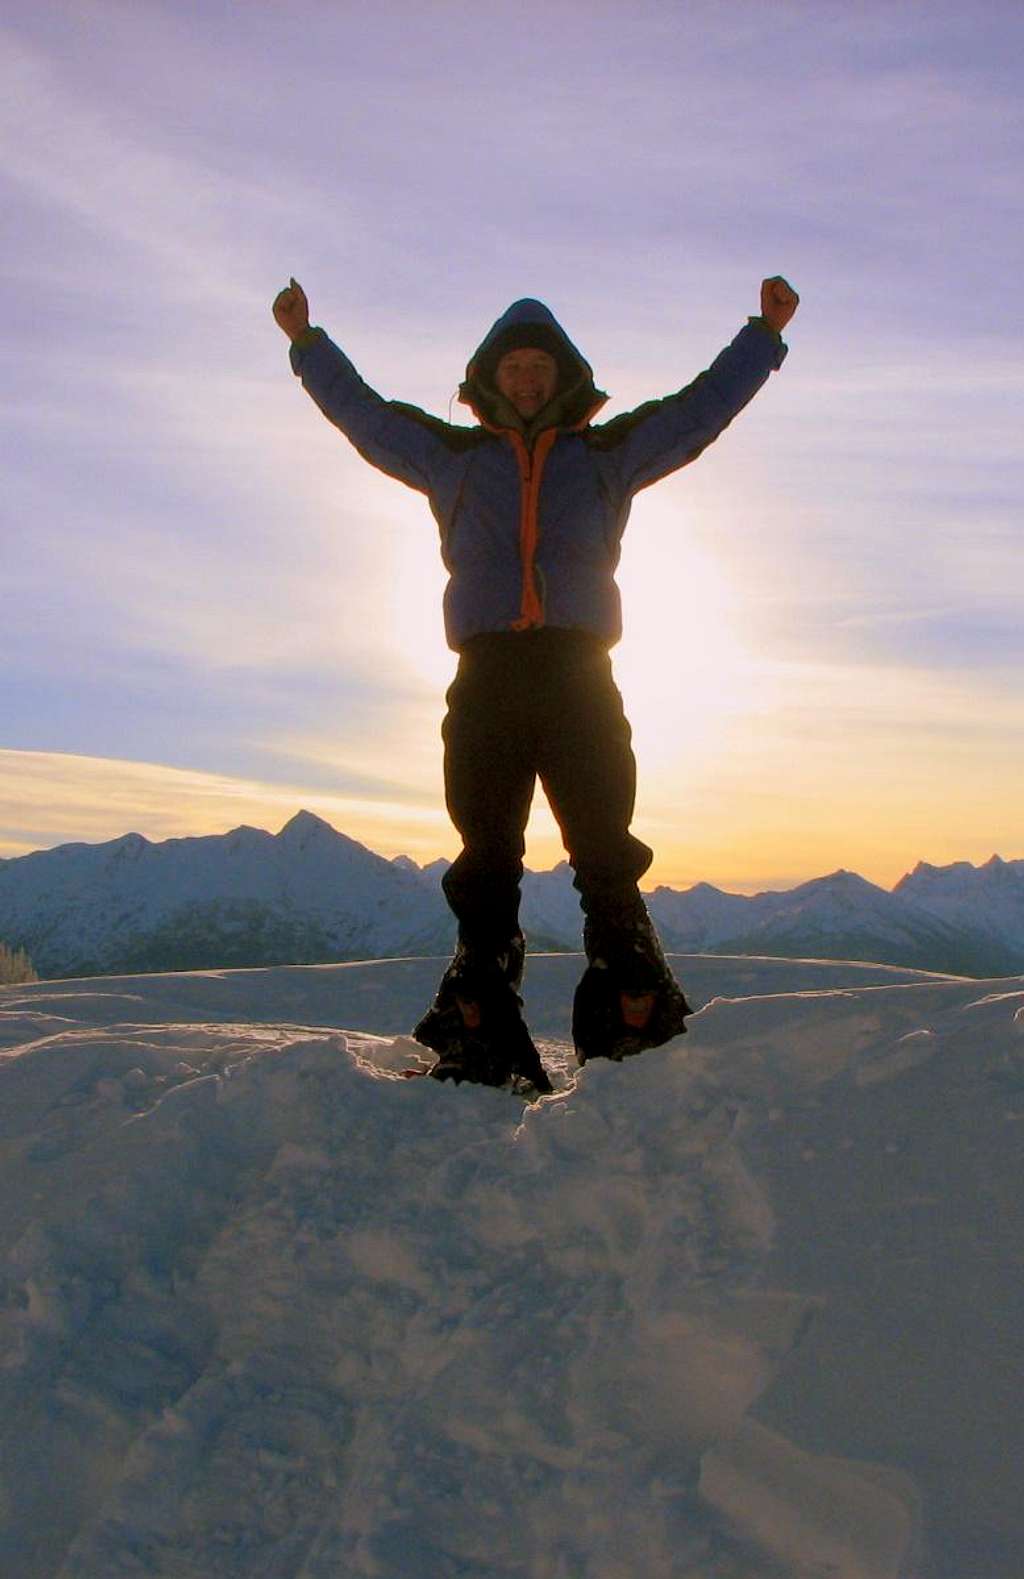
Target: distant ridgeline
[309,895]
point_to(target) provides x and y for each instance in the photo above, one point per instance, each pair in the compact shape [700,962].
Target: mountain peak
[304,826]
[958,876]
[129,846]
[840,882]
[310,836]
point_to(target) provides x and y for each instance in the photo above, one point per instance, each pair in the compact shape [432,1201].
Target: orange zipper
[530,471]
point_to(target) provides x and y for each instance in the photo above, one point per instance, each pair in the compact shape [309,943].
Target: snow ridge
[270,1310]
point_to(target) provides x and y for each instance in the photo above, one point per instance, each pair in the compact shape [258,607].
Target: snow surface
[746,1306]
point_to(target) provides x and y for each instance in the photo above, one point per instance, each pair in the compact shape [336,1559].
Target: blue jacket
[531,518]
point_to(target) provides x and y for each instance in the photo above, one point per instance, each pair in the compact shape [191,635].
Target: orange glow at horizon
[719,827]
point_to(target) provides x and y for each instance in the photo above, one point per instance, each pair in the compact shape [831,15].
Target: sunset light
[215,611]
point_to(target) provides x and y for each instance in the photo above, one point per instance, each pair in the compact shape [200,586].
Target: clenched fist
[778,301]
[291,310]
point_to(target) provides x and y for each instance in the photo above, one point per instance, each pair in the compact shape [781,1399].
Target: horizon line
[401,857]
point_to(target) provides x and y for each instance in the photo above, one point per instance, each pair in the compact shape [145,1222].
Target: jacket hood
[529,322]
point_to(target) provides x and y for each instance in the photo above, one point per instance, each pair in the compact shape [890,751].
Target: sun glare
[416,591]
[681,665]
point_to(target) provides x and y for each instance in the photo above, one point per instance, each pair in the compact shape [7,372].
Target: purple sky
[214,612]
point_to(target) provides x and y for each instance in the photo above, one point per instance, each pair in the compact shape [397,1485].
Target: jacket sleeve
[396,438]
[659,437]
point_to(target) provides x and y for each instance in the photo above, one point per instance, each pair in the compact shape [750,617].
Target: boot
[475,1024]
[628,999]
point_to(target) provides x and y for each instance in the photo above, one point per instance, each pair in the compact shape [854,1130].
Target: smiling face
[527,378]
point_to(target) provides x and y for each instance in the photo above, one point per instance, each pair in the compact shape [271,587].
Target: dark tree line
[15,966]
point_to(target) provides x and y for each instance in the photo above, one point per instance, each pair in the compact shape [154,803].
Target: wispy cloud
[157,216]
[197,570]
[49,798]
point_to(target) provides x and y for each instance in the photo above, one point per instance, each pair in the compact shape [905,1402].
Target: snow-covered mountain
[309,894]
[747,1307]
[989,899]
[844,917]
[698,918]
[550,909]
[305,894]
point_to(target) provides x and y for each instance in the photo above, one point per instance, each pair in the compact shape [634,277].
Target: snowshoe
[628,999]
[475,1024]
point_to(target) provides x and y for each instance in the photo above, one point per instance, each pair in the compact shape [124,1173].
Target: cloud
[166,218]
[197,567]
[75,798]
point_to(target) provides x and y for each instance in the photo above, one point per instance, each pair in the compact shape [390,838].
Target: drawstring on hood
[530,323]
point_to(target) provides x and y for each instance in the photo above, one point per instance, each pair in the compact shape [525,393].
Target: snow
[746,1306]
[307,892]
[988,898]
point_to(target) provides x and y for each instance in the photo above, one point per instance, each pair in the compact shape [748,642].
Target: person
[531,504]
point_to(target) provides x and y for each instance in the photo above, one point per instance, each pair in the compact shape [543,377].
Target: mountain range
[309,894]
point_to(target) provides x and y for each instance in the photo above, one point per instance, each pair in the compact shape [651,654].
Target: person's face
[527,378]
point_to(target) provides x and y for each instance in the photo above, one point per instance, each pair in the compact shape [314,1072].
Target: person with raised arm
[531,504]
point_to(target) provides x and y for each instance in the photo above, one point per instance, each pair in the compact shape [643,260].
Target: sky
[213,612]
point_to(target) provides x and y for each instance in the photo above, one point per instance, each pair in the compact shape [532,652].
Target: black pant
[535,704]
